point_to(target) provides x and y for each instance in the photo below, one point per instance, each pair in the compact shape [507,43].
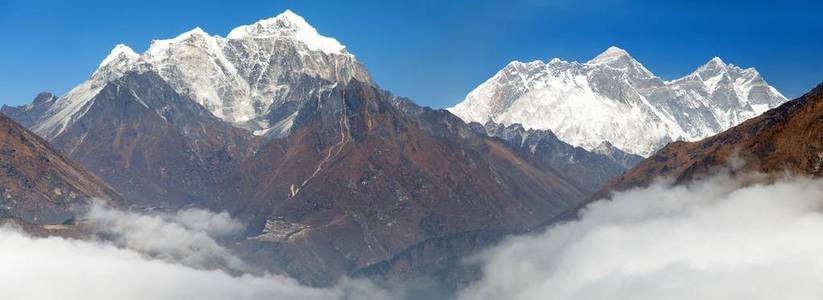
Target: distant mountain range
[616,99]
[784,140]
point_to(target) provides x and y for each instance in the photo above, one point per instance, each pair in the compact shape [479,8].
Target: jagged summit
[614,98]
[612,53]
[713,67]
[189,42]
[119,51]
[716,66]
[716,60]
[747,85]
[618,58]
[256,79]
[289,25]
[163,44]
[785,140]
[285,20]
[120,54]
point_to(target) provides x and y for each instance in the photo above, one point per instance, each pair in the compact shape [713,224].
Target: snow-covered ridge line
[119,51]
[253,78]
[614,98]
[289,24]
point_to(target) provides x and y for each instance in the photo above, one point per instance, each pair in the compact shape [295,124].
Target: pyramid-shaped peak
[717,66]
[716,61]
[120,51]
[286,19]
[618,58]
[713,67]
[121,56]
[162,45]
[289,25]
[196,31]
[290,16]
[614,50]
[611,54]
[159,48]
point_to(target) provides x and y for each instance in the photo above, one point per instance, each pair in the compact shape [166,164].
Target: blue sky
[432,51]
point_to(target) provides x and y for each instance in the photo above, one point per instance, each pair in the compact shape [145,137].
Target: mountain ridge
[249,80]
[783,140]
[624,103]
[591,169]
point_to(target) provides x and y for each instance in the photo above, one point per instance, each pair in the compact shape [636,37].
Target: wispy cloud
[186,237]
[148,256]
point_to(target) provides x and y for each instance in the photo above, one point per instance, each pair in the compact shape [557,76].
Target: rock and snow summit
[258,77]
[614,98]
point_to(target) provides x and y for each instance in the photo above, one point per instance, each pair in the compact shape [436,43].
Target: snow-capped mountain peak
[120,55]
[289,25]
[255,79]
[713,67]
[194,33]
[611,54]
[619,59]
[718,77]
[614,98]
[716,61]
[191,42]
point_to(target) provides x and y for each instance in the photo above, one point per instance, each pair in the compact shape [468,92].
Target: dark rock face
[589,169]
[153,145]
[40,185]
[788,138]
[28,115]
[622,158]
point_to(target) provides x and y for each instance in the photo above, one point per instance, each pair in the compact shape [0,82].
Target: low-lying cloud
[719,238]
[187,237]
[715,239]
[148,256]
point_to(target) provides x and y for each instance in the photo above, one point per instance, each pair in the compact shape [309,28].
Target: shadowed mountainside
[39,184]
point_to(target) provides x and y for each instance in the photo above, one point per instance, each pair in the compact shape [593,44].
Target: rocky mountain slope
[788,138]
[39,184]
[373,190]
[616,99]
[590,169]
[155,146]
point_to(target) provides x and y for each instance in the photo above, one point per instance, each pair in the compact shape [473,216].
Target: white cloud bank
[714,239]
[186,237]
[160,256]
